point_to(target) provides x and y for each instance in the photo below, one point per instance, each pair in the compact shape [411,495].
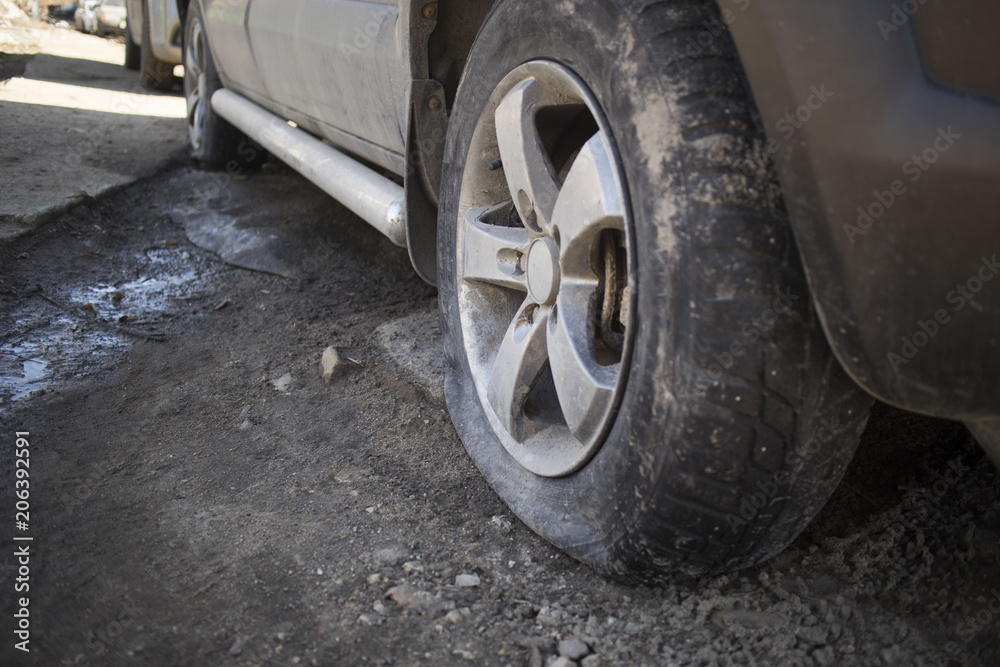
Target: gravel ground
[199,495]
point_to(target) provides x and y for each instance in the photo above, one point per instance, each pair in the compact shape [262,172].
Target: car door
[338,62]
[226,21]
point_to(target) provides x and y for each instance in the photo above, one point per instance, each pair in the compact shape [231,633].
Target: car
[680,247]
[153,41]
[109,17]
[78,11]
[83,15]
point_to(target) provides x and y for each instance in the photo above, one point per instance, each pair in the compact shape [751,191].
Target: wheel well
[182,7]
[449,45]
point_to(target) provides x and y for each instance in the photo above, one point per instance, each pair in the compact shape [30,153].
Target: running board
[377,200]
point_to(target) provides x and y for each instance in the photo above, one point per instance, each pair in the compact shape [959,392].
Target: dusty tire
[730,423]
[133,58]
[210,139]
[154,74]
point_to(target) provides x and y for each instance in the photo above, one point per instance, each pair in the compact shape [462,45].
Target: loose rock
[330,365]
[467,580]
[412,599]
[574,648]
[283,383]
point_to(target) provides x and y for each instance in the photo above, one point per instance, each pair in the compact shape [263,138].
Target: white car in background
[83,17]
[108,17]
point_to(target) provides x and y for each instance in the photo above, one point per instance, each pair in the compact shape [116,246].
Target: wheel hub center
[543,271]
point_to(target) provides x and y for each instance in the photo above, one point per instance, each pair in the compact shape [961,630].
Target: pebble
[824,656]
[501,523]
[561,662]
[457,615]
[412,599]
[330,364]
[413,566]
[467,580]
[574,648]
[238,645]
[283,383]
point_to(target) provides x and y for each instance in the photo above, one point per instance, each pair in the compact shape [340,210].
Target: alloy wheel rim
[544,261]
[195,84]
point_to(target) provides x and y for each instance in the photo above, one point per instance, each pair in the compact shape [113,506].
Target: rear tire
[155,75]
[715,420]
[133,57]
[211,139]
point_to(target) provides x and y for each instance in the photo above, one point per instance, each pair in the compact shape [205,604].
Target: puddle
[142,298]
[33,371]
[45,344]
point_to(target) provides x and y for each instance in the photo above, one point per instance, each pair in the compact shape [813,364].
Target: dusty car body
[884,141]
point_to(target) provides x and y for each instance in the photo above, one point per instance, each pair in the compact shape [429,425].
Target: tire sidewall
[587,512]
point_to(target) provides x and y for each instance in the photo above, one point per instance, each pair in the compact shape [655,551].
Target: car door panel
[226,22]
[336,61]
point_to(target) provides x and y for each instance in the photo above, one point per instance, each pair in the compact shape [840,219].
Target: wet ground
[200,496]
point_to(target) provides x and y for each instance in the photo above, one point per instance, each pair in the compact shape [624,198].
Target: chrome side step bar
[376,199]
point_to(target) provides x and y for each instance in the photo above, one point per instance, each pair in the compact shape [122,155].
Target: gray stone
[467,580]
[574,648]
[330,365]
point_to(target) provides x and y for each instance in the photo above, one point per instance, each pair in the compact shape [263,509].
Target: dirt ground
[199,495]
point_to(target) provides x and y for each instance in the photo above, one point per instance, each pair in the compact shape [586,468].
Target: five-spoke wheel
[543,256]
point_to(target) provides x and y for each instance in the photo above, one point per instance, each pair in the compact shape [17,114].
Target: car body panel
[336,61]
[164,27]
[226,22]
[891,181]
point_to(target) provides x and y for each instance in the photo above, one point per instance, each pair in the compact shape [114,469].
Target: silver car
[680,246]
[109,16]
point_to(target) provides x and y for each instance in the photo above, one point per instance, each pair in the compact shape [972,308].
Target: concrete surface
[83,127]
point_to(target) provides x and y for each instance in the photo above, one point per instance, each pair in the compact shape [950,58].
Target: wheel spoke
[585,388]
[491,253]
[196,85]
[533,182]
[590,199]
[518,364]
